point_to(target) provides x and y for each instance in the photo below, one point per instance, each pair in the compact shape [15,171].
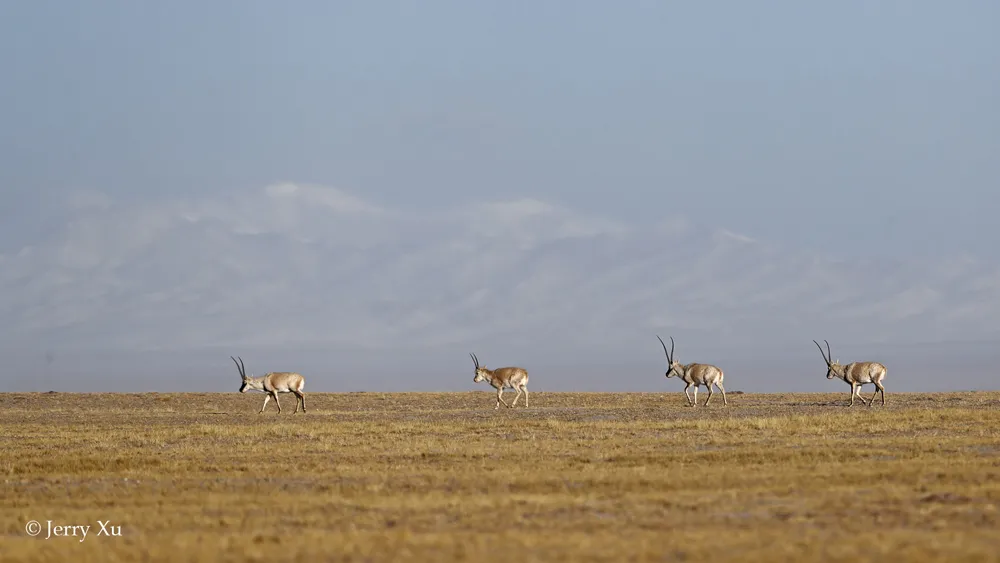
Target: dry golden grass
[441,477]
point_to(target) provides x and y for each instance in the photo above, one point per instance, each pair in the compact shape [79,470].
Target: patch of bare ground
[444,477]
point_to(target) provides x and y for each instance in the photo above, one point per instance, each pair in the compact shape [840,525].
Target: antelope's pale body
[272,384]
[855,374]
[503,378]
[694,375]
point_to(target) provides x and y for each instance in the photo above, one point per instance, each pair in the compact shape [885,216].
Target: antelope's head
[243,375]
[481,371]
[673,366]
[833,368]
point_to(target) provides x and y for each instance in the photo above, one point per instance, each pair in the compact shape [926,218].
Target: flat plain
[444,477]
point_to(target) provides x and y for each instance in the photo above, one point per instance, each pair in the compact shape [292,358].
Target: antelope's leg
[723,389]
[276,402]
[299,397]
[267,398]
[710,393]
[694,403]
[525,388]
[686,387]
[517,393]
[881,389]
[303,397]
[860,397]
[500,399]
[872,400]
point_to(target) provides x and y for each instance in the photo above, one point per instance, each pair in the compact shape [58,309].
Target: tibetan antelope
[694,375]
[500,378]
[272,384]
[855,374]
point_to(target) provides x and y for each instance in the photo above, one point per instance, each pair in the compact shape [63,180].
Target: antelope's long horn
[474,359]
[825,359]
[829,354]
[664,347]
[671,349]
[242,370]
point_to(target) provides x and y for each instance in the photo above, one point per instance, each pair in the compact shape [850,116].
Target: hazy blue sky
[367,191]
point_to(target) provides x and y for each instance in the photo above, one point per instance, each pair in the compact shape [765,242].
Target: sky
[366,192]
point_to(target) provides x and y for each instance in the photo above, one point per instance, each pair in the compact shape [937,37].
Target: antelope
[855,374]
[500,378]
[694,375]
[273,383]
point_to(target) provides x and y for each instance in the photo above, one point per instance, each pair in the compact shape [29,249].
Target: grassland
[444,477]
